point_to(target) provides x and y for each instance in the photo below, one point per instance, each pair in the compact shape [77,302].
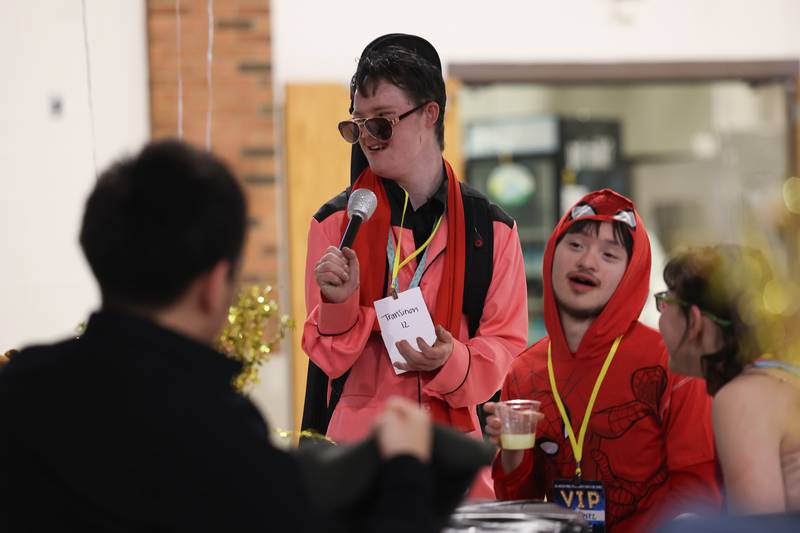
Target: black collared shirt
[422,220]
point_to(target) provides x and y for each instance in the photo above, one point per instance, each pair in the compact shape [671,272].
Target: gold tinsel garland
[306,433]
[254,316]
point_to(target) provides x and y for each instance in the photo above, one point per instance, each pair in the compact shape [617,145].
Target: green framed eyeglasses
[663,297]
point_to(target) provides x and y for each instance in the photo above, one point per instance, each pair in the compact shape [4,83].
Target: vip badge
[585,497]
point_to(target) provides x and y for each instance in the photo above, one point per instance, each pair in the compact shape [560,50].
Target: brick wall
[242,105]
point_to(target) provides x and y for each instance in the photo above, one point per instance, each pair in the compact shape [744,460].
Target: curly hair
[714,279]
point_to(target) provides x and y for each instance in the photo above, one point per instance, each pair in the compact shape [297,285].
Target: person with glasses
[614,419]
[421,236]
[713,328]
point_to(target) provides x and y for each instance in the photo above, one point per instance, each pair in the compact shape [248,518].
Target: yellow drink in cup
[510,441]
[518,418]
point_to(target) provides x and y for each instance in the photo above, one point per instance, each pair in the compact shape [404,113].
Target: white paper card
[405,318]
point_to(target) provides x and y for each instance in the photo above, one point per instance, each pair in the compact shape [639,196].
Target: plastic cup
[518,418]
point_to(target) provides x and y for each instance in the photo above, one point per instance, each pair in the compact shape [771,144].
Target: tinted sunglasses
[663,297]
[585,210]
[379,128]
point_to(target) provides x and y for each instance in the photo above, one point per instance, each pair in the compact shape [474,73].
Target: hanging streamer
[209,58]
[178,60]
[89,85]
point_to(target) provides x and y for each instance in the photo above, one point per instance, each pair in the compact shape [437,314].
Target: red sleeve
[694,478]
[517,484]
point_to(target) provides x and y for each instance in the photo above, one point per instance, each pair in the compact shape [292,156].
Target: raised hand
[337,274]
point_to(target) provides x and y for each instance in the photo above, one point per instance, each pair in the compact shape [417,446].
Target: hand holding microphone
[337,271]
[360,207]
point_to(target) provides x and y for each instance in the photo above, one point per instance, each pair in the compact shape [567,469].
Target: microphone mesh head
[362,202]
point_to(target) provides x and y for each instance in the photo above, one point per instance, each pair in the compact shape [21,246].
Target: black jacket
[134,427]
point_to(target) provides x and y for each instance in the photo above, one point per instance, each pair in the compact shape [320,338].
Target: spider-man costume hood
[626,303]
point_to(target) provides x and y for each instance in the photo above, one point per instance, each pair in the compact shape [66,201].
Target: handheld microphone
[360,207]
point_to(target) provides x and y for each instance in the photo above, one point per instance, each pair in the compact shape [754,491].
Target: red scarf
[451,289]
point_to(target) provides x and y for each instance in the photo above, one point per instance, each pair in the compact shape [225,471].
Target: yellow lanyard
[397,264]
[577,446]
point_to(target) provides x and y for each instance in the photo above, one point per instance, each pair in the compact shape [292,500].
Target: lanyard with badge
[585,497]
[394,256]
[404,315]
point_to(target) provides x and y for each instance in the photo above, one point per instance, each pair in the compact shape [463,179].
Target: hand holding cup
[512,426]
[518,420]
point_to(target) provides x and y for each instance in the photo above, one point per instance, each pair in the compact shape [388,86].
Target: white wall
[315,41]
[46,160]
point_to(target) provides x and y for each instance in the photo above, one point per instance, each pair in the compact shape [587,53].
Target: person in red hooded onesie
[614,419]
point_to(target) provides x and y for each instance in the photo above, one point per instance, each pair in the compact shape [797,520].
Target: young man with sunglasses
[424,219]
[620,437]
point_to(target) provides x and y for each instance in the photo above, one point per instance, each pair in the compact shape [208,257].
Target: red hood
[628,300]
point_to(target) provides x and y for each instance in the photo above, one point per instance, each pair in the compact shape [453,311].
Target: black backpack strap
[317,410]
[315,407]
[480,260]
[479,255]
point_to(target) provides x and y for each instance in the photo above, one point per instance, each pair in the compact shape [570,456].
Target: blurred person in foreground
[136,425]
[712,327]
[614,419]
